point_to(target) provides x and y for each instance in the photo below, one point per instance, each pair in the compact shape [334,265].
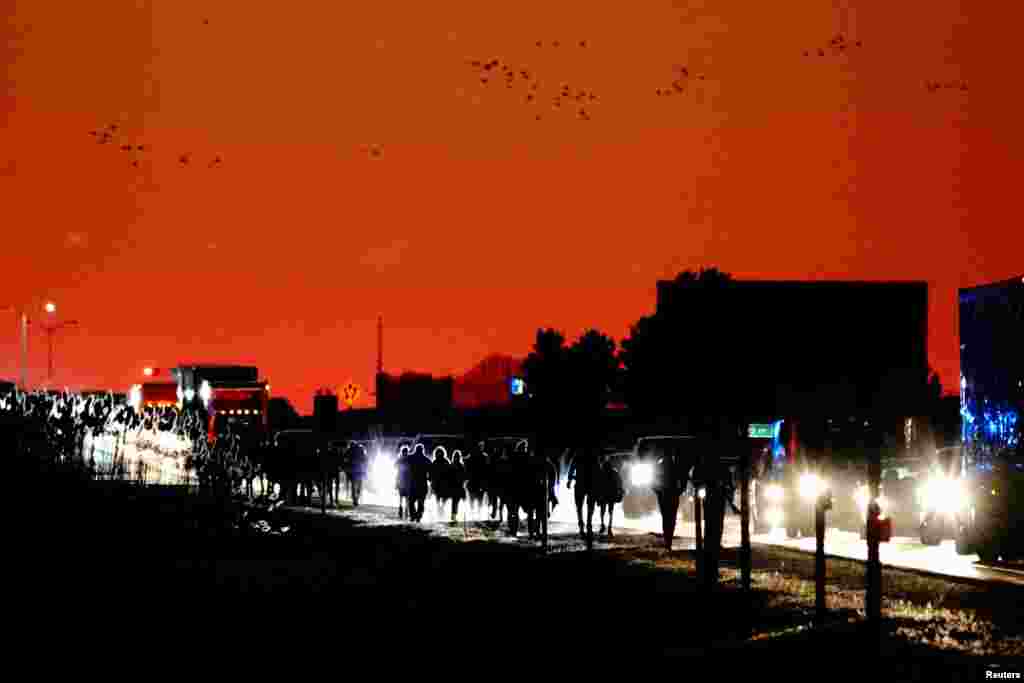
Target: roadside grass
[941,614]
[388,574]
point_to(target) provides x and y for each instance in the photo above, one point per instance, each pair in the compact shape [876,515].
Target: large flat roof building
[820,338]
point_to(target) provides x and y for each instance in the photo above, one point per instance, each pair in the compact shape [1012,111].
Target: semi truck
[984,487]
[233,395]
[154,395]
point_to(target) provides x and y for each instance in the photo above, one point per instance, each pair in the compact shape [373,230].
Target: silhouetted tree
[569,386]
[686,364]
[650,372]
[593,372]
[546,373]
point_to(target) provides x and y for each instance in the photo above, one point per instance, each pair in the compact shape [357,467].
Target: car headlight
[642,474]
[861,496]
[775,493]
[382,473]
[811,486]
[943,494]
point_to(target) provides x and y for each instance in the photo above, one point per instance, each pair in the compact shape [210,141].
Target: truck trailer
[985,485]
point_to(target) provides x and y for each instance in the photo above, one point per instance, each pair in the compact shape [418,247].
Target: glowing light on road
[205,392]
[943,494]
[51,307]
[642,474]
[862,495]
[774,517]
[135,396]
[811,486]
[383,474]
[148,372]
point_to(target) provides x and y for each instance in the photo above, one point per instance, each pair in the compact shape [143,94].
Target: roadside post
[745,551]
[325,406]
[823,504]
[547,507]
[699,530]
[873,595]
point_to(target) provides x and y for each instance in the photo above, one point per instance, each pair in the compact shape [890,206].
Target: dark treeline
[706,371]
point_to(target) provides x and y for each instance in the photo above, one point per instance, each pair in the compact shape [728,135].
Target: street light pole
[50,331]
[22,314]
[24,350]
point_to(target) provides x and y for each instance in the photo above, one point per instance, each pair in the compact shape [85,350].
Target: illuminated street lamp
[50,330]
[50,308]
[148,372]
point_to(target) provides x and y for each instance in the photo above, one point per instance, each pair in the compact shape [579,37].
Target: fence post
[820,506]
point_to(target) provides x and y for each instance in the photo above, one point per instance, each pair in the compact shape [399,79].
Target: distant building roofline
[993,286]
[821,283]
[214,365]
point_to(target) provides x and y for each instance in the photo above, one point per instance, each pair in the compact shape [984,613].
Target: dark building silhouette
[415,394]
[488,384]
[822,347]
[992,365]
[325,413]
[281,414]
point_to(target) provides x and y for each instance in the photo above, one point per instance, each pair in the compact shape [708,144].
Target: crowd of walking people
[505,480]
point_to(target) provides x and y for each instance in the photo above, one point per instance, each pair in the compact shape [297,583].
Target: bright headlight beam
[943,494]
[382,474]
[642,474]
[811,486]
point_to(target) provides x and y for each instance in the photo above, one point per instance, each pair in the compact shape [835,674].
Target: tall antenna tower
[380,344]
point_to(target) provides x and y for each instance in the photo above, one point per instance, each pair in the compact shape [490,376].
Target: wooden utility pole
[547,507]
[699,530]
[822,504]
[745,551]
[873,596]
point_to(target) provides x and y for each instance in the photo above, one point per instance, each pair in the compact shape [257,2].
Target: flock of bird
[494,70]
[679,84]
[837,46]
[374,151]
[112,135]
[934,86]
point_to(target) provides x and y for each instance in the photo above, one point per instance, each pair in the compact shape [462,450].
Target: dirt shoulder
[364,577]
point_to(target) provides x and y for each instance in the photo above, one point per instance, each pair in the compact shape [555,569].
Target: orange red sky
[477,223]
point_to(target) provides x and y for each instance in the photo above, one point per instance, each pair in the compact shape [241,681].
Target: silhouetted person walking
[456,482]
[583,469]
[419,471]
[358,464]
[403,481]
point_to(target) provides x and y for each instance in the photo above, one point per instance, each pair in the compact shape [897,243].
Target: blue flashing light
[517,386]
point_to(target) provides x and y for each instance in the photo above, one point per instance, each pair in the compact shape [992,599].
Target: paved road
[901,552]
[381,507]
[904,552]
